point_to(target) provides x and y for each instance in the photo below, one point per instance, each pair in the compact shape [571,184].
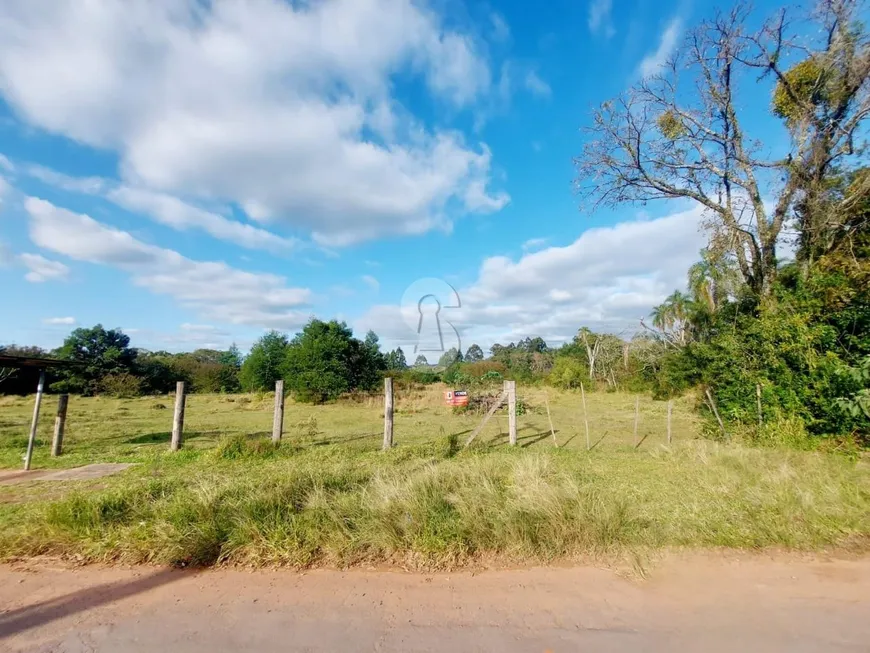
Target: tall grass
[247,502]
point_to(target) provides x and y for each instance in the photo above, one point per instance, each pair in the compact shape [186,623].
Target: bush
[240,446]
[568,373]
[123,385]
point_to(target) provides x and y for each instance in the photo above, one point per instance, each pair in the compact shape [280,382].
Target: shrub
[122,385]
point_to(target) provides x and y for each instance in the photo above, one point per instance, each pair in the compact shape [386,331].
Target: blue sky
[196,172]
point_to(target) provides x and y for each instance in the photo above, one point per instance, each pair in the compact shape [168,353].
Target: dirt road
[702,603]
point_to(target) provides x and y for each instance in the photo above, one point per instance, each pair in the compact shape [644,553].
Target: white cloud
[167,210]
[371,282]
[199,328]
[187,338]
[600,20]
[536,85]
[6,164]
[607,280]
[501,31]
[534,243]
[653,62]
[88,185]
[213,289]
[59,321]
[283,108]
[175,213]
[4,188]
[42,269]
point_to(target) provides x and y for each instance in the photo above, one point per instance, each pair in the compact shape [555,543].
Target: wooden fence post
[585,417]
[388,414]
[59,422]
[32,438]
[670,409]
[636,417]
[278,415]
[178,418]
[510,387]
[550,419]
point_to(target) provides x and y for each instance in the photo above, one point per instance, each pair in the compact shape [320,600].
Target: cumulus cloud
[213,289]
[607,280]
[59,321]
[652,63]
[41,269]
[284,109]
[175,213]
[166,209]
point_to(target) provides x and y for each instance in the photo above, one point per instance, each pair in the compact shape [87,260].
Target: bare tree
[592,343]
[679,135]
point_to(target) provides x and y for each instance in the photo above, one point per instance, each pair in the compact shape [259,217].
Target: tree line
[750,329]
[321,362]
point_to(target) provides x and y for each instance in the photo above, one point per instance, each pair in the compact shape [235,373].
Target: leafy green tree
[450,357]
[372,363]
[263,365]
[325,361]
[231,365]
[396,360]
[421,361]
[99,352]
[474,354]
[157,373]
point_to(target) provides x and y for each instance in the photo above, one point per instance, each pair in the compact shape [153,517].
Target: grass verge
[247,502]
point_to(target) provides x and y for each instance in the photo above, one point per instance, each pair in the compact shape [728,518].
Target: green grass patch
[328,496]
[330,506]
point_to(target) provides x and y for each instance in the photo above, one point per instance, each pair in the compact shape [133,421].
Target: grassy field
[105,429]
[327,495]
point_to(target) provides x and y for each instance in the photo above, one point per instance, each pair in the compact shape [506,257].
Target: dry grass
[328,496]
[103,429]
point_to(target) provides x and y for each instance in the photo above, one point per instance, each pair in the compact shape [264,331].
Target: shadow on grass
[637,446]
[39,614]
[568,441]
[353,438]
[535,438]
[166,436]
[597,442]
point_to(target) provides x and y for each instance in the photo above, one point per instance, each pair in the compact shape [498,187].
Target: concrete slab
[87,472]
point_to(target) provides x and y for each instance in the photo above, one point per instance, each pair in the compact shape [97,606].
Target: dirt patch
[697,602]
[87,472]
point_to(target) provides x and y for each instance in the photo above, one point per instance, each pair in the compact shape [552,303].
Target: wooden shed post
[30,440]
[59,423]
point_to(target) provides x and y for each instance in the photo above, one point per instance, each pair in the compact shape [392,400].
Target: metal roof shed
[42,364]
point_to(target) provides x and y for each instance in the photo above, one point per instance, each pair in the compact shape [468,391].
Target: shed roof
[30,361]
